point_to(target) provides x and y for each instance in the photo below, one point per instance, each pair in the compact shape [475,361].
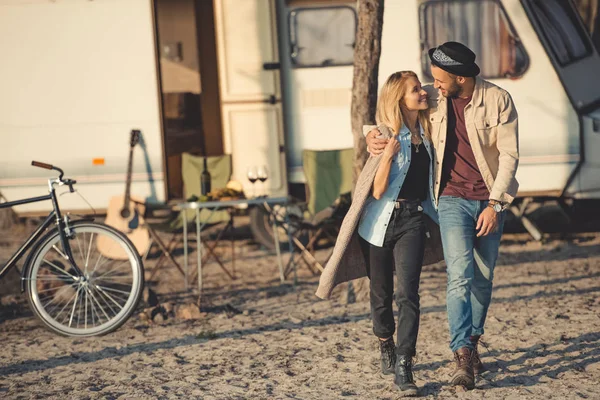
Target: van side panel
[76,77]
[548,124]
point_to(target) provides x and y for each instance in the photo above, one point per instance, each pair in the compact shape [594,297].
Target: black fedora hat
[455,58]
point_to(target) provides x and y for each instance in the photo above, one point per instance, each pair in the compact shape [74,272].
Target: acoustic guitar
[125,213]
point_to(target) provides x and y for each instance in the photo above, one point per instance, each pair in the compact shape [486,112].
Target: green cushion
[219,168]
[328,175]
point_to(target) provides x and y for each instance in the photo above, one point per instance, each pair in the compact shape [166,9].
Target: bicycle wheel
[99,302]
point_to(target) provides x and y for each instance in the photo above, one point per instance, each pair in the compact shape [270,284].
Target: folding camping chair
[219,168]
[328,177]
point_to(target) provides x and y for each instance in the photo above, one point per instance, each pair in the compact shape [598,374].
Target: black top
[417,178]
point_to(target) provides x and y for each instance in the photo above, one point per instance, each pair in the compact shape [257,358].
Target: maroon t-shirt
[460,173]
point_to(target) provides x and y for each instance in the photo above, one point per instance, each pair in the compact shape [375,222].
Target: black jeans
[402,251]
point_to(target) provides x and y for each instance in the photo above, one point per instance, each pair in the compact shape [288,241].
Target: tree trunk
[367,50]
[588,10]
[596,27]
[8,218]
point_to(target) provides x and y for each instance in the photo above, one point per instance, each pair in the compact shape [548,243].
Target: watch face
[497,207]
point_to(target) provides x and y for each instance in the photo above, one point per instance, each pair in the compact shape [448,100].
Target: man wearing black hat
[474,130]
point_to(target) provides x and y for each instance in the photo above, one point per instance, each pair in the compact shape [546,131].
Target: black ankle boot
[404,380]
[388,356]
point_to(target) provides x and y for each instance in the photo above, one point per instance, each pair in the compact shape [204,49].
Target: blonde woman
[386,221]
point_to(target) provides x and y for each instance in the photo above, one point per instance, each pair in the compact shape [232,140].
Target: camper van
[264,80]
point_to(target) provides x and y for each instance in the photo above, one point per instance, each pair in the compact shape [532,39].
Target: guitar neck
[128,181]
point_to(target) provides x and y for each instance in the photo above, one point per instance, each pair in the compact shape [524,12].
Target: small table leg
[291,244]
[199,255]
[232,237]
[185,248]
[277,249]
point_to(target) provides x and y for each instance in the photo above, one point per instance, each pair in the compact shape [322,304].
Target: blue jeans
[470,262]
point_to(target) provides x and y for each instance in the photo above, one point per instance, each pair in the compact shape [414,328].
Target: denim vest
[377,213]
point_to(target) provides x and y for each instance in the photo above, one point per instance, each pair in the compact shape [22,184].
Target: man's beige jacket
[492,126]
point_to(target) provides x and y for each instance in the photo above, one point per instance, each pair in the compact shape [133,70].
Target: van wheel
[261,225]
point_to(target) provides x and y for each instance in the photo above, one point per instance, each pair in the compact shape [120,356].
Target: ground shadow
[148,348]
[587,346]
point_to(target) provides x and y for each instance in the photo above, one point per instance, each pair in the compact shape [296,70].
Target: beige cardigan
[347,261]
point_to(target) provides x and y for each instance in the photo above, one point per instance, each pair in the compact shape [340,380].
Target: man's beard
[454,91]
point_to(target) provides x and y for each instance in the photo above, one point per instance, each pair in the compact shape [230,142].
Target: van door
[250,91]
[317,50]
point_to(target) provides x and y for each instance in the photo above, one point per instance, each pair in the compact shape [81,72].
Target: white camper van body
[78,75]
[76,78]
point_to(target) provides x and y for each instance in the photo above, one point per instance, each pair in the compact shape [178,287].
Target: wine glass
[252,177]
[263,174]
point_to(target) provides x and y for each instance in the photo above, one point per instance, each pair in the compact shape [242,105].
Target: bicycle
[70,286]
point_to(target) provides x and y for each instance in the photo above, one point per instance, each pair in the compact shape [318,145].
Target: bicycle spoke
[74,305]
[79,310]
[97,261]
[114,242]
[112,270]
[86,309]
[113,290]
[93,298]
[65,306]
[58,268]
[107,261]
[48,290]
[89,253]
[116,279]
[79,246]
[55,298]
[49,278]
[114,296]
[90,303]
[63,255]
[106,295]
[52,300]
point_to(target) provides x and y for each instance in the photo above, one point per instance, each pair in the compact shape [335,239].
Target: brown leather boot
[478,366]
[463,374]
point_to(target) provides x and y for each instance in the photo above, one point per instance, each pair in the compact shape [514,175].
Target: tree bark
[589,10]
[596,27]
[367,51]
[8,217]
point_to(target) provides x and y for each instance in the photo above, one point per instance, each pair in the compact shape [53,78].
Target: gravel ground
[257,338]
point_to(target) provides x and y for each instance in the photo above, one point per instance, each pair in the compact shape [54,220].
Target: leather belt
[403,202]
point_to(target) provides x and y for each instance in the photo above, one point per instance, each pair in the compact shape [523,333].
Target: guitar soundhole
[125,213]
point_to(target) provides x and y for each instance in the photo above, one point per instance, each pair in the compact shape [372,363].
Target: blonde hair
[389,101]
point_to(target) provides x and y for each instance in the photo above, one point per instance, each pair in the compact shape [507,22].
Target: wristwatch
[495,205]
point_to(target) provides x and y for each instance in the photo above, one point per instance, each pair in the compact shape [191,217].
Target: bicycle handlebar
[41,165]
[48,166]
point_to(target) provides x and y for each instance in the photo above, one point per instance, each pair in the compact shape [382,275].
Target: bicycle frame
[54,216]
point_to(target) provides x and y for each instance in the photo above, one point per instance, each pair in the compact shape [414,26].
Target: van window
[562,29]
[322,37]
[483,26]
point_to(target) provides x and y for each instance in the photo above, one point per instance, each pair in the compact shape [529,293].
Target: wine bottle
[205,180]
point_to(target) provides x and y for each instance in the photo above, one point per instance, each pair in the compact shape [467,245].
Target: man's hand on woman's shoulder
[375,146]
